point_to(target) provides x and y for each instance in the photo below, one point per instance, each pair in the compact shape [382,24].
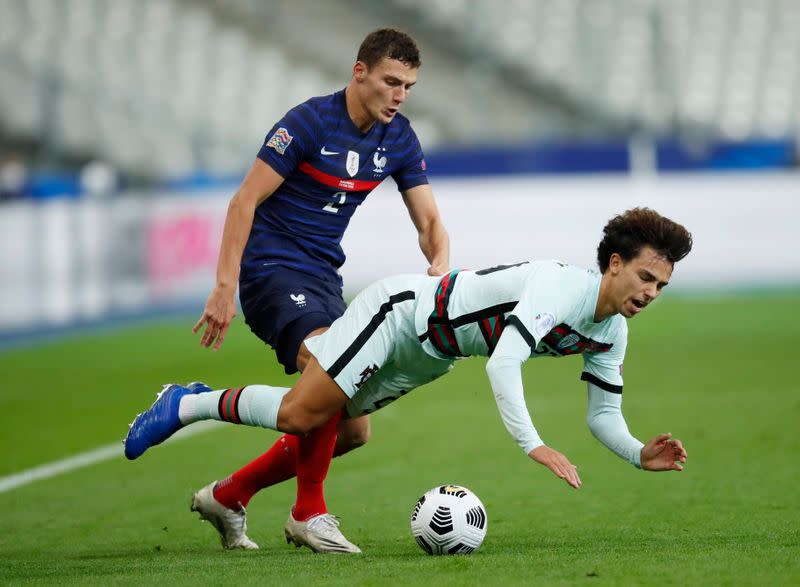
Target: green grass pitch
[719,373]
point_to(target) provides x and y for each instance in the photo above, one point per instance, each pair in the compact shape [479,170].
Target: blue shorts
[285,306]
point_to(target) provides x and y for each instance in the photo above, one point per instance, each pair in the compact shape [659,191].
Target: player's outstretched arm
[557,463]
[663,453]
[259,183]
[433,239]
[503,369]
[605,420]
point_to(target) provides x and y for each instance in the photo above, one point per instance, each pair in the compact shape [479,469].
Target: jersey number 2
[332,206]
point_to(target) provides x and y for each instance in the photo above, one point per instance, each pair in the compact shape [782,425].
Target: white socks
[254,405]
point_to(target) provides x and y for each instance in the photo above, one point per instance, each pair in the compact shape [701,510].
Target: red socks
[307,457]
[313,460]
[274,466]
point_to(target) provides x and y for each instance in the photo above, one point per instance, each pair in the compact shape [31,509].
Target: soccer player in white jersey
[405,331]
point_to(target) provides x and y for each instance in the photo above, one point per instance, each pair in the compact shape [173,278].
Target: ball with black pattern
[449,519]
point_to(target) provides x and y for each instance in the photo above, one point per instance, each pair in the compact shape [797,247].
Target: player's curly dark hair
[391,43]
[628,232]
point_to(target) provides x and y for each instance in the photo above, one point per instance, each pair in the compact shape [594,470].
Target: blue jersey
[329,167]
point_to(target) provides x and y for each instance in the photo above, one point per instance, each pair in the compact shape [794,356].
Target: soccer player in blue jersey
[281,245]
[405,331]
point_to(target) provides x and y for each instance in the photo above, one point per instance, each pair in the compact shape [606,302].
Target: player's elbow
[593,422]
[498,363]
[244,201]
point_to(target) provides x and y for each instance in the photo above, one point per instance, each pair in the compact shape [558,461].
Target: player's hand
[557,463]
[217,315]
[663,453]
[437,270]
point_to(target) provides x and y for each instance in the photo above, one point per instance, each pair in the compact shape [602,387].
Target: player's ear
[615,263]
[360,71]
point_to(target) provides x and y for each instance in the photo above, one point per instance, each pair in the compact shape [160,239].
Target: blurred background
[126,125]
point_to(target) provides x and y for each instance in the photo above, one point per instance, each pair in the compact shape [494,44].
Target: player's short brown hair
[627,233]
[391,43]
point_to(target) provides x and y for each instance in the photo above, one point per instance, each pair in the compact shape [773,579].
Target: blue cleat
[198,387]
[158,422]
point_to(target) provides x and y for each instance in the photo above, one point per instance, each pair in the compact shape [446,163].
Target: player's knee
[294,419]
[354,435]
[355,439]
[294,422]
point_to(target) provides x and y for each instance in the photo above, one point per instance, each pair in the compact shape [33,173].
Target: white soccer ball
[449,519]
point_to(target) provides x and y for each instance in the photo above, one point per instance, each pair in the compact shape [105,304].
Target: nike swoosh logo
[324,151]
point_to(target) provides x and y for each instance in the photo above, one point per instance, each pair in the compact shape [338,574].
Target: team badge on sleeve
[280,140]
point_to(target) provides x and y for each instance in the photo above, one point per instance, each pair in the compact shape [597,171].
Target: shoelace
[326,524]
[235,519]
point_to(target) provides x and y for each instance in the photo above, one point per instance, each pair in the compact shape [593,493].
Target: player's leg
[316,448]
[279,463]
[308,404]
[351,352]
[353,432]
[312,410]
[282,309]
[315,451]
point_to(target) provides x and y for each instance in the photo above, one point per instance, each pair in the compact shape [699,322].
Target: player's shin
[272,467]
[313,460]
[253,405]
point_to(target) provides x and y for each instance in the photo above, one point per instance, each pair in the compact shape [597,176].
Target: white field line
[86,459]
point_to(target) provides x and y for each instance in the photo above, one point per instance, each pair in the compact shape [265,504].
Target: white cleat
[231,524]
[320,533]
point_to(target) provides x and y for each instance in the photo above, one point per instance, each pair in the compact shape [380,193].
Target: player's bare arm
[259,183]
[433,238]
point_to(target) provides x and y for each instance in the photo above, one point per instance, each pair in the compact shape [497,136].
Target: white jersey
[405,331]
[550,304]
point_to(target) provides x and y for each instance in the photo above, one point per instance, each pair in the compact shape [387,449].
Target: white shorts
[373,351]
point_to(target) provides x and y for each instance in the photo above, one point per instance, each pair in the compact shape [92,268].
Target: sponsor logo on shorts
[299,299]
[366,374]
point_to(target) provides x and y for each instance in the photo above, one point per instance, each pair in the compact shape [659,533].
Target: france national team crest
[352,163]
[280,140]
[380,162]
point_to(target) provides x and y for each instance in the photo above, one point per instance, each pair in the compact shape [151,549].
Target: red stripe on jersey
[353,185]
[440,295]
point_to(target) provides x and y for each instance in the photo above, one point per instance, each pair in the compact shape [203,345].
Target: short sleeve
[413,171]
[604,369]
[291,140]
[546,300]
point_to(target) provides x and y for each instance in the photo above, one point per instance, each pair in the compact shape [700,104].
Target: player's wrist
[532,446]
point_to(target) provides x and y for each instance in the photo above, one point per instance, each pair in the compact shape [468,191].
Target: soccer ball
[449,519]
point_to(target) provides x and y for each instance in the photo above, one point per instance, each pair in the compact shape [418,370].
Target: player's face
[639,281]
[384,87]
